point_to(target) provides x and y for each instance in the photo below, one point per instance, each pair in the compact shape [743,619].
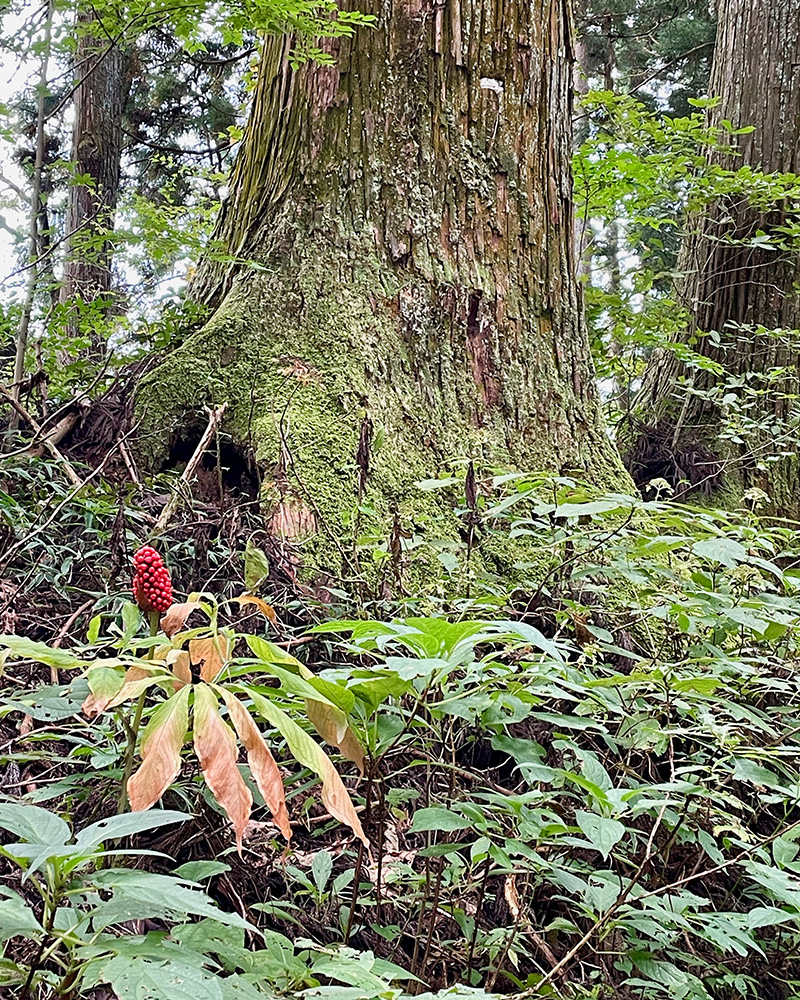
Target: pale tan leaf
[351,748]
[210,655]
[328,720]
[137,679]
[161,751]
[216,750]
[182,670]
[331,724]
[266,609]
[511,895]
[175,618]
[105,680]
[262,764]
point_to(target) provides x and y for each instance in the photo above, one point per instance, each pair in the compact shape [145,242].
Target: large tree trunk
[397,266]
[733,285]
[103,82]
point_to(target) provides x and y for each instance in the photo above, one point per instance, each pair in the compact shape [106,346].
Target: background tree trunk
[394,279]
[732,285]
[103,82]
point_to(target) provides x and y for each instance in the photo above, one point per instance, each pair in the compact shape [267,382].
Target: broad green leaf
[722,550]
[321,868]
[144,979]
[193,871]
[34,824]
[93,632]
[589,508]
[256,566]
[438,818]
[141,895]
[40,652]
[267,651]
[16,918]
[601,832]
[126,825]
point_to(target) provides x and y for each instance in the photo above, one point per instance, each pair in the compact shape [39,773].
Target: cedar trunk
[393,281]
[733,286]
[103,82]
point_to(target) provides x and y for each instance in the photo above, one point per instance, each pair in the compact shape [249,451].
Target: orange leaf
[210,655]
[104,683]
[262,764]
[175,618]
[266,609]
[326,719]
[161,751]
[216,750]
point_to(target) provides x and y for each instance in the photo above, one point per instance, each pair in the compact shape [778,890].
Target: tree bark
[103,82]
[733,286]
[394,275]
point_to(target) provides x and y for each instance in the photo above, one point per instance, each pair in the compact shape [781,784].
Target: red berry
[151,584]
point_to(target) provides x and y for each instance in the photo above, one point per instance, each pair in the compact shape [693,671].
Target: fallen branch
[47,440]
[58,431]
[214,417]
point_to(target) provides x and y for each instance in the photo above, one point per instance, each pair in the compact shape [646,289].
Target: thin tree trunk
[35,211]
[397,251]
[733,285]
[102,69]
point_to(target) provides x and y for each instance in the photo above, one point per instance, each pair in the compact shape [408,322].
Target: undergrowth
[584,787]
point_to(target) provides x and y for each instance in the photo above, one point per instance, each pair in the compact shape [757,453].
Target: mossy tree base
[397,290]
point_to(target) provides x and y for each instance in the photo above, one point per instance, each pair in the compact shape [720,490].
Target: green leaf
[321,868]
[194,871]
[438,818]
[256,566]
[34,824]
[143,979]
[142,895]
[587,509]
[268,652]
[601,832]
[93,632]
[16,918]
[126,825]
[721,550]
[40,652]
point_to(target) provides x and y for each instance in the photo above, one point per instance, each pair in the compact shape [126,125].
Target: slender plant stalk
[354,897]
[33,238]
[132,730]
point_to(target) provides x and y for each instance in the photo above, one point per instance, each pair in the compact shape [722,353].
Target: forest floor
[585,786]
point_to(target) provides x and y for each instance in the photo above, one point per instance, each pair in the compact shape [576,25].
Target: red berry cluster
[151,584]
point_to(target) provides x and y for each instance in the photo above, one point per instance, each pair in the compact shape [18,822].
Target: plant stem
[132,730]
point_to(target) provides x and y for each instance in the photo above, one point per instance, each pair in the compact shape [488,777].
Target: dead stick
[126,458]
[188,473]
[72,475]
[54,435]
